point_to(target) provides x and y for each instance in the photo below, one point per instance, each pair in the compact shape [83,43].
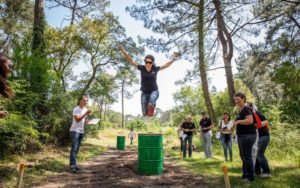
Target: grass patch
[50,161]
[285,172]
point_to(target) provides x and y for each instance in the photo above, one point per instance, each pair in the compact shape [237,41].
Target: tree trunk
[105,109]
[101,107]
[122,99]
[38,45]
[87,86]
[202,69]
[74,8]
[225,38]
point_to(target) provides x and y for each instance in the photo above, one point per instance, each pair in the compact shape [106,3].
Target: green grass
[285,171]
[285,166]
[50,161]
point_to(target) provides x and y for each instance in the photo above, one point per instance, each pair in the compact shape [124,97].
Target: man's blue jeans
[76,139]
[246,143]
[261,160]
[148,97]
[189,139]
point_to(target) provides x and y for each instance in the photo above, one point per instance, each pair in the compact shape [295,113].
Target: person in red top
[261,163]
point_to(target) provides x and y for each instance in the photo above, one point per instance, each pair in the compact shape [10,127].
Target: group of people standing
[251,133]
[186,130]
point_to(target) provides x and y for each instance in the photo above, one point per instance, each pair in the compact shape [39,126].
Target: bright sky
[166,78]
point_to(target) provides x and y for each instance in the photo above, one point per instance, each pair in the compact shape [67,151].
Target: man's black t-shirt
[204,123]
[263,131]
[148,79]
[245,129]
[188,125]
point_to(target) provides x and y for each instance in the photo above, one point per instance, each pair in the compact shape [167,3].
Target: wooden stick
[21,173]
[226,177]
[1,183]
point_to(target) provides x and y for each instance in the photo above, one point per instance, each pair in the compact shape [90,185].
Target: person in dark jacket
[246,133]
[188,128]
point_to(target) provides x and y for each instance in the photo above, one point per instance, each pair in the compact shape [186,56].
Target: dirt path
[118,169]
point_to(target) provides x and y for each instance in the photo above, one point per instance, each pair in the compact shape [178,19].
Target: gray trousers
[206,138]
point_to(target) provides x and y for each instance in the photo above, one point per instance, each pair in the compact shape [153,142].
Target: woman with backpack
[262,168]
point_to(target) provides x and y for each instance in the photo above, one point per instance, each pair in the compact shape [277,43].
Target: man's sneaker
[150,110]
[246,180]
[73,169]
[265,175]
[77,168]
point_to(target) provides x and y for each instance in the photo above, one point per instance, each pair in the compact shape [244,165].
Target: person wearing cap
[206,126]
[188,128]
[149,86]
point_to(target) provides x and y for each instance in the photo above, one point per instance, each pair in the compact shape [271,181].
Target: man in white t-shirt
[77,129]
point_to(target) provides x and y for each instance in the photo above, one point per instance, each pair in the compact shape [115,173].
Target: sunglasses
[148,62]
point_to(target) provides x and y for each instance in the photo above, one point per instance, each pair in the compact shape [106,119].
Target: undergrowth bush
[18,135]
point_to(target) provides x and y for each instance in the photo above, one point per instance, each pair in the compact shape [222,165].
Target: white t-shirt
[78,126]
[228,125]
[131,134]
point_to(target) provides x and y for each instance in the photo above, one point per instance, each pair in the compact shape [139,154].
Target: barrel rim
[151,134]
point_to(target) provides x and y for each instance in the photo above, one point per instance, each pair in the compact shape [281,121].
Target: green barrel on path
[150,154]
[121,142]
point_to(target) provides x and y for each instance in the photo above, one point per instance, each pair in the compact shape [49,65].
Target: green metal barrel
[120,142]
[150,154]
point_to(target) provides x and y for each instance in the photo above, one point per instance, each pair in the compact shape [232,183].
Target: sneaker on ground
[150,109]
[265,175]
[246,180]
[73,169]
[77,168]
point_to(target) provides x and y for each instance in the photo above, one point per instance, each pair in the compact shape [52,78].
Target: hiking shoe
[77,168]
[150,110]
[73,169]
[246,180]
[265,175]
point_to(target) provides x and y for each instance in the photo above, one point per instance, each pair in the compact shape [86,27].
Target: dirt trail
[118,169]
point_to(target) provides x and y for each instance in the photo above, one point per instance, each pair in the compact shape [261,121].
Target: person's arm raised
[78,118]
[127,57]
[175,57]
